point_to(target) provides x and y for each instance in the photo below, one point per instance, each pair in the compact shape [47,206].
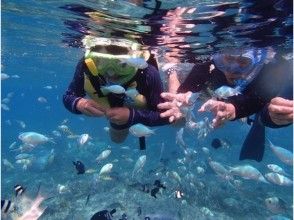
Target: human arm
[149,84]
[222,111]
[74,100]
[172,105]
[278,113]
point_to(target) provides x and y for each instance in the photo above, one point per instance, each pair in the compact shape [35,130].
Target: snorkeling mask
[235,64]
[107,60]
[243,65]
[112,68]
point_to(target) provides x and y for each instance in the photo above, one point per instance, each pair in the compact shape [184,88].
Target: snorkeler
[121,84]
[257,75]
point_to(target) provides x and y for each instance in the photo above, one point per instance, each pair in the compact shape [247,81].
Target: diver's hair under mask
[111,49]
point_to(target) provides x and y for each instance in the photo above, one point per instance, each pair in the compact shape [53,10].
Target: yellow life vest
[138,102]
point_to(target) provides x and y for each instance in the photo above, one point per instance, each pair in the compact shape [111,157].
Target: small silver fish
[83,138]
[283,154]
[103,155]
[48,87]
[278,179]
[138,62]
[275,205]
[34,138]
[277,169]
[7,163]
[106,169]
[225,92]
[12,145]
[117,89]
[139,165]
[15,76]
[5,107]
[5,100]
[22,124]
[180,140]
[4,76]
[23,156]
[140,130]
[219,169]
[248,172]
[42,99]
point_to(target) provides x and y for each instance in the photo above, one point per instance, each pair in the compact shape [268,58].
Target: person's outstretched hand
[90,107]
[222,111]
[118,115]
[173,104]
[281,111]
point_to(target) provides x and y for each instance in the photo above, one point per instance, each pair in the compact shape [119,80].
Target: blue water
[41,45]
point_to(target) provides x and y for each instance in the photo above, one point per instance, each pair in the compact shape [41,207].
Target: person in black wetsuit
[211,75]
[116,62]
[258,95]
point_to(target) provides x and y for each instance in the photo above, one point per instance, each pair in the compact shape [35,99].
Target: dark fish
[6,206]
[154,191]
[80,167]
[124,217]
[139,211]
[19,190]
[216,143]
[103,215]
[88,199]
[158,184]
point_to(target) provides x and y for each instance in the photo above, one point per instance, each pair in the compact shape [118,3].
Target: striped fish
[19,190]
[7,206]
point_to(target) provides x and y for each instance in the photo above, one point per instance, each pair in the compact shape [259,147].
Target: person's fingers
[280,109]
[205,107]
[222,115]
[167,113]
[210,105]
[218,122]
[168,96]
[94,111]
[166,105]
[178,115]
[108,112]
[88,113]
[281,119]
[282,102]
[171,119]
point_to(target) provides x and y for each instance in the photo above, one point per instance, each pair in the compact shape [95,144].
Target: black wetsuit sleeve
[247,104]
[150,85]
[75,91]
[261,90]
[286,93]
[197,78]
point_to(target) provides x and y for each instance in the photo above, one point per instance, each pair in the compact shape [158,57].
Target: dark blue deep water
[41,45]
